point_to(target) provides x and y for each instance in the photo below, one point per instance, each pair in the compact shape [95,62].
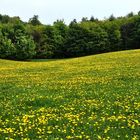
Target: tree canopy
[26,40]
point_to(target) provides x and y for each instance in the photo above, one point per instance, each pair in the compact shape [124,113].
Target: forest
[33,40]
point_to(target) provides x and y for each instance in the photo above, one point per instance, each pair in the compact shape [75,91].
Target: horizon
[49,11]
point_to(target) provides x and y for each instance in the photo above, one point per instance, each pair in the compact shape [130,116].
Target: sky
[51,10]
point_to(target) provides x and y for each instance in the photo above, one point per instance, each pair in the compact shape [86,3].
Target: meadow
[89,98]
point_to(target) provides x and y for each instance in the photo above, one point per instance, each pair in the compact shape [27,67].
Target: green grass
[94,97]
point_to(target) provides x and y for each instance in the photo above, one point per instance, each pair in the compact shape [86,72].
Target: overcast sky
[51,10]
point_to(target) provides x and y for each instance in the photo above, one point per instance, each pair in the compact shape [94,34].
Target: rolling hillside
[93,97]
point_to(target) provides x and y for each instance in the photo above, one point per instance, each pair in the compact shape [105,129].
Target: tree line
[28,40]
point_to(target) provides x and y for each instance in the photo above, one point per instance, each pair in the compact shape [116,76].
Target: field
[94,97]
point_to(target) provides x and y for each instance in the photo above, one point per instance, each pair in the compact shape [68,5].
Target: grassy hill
[94,97]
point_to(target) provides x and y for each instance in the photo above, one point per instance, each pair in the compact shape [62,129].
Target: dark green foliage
[20,45]
[19,40]
[81,41]
[7,49]
[131,14]
[99,40]
[37,32]
[61,31]
[47,43]
[114,35]
[4,18]
[111,18]
[126,33]
[25,47]
[92,19]
[34,20]
[73,22]
[130,33]
[76,41]
[84,19]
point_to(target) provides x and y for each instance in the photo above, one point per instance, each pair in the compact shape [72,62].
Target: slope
[93,97]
